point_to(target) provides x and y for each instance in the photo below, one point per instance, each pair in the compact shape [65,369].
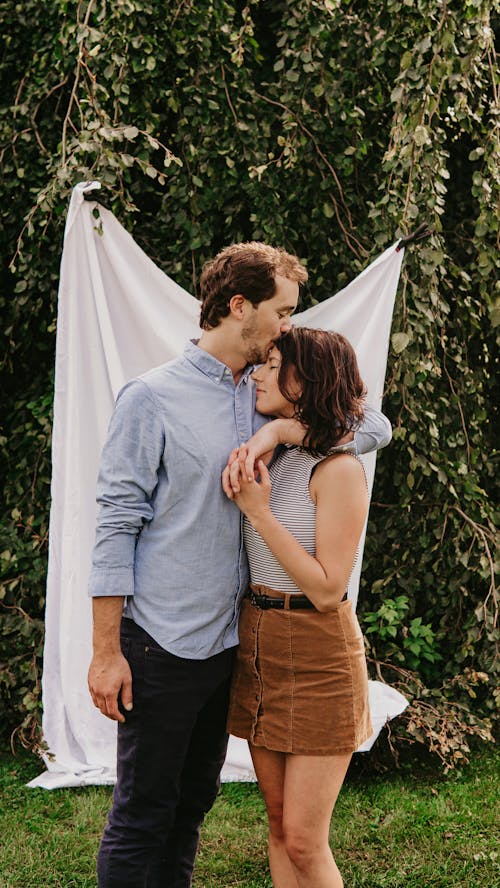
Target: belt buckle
[252,598]
[260,601]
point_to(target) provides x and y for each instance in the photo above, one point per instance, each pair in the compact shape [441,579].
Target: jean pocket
[154,652]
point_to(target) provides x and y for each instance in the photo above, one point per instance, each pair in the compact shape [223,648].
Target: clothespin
[95,197]
[421,233]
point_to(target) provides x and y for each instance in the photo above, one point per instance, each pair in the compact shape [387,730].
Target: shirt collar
[211,366]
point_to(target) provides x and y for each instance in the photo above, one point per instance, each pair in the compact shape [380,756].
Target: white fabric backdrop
[119,315]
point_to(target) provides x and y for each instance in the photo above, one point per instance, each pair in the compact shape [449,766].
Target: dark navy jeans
[170,753]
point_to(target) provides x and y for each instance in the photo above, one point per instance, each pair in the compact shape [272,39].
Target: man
[169,566]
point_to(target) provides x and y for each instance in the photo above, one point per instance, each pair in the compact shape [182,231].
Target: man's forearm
[109,678]
[374,432]
[107,613]
[127,479]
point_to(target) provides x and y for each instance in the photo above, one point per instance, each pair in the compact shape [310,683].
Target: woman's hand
[250,495]
[262,446]
[243,460]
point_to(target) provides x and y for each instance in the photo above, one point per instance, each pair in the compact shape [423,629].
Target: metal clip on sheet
[421,233]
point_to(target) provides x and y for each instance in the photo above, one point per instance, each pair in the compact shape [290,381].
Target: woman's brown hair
[330,403]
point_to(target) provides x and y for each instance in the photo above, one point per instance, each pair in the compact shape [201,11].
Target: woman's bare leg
[311,787]
[270,770]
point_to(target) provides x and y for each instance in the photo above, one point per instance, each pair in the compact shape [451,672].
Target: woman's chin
[266,410]
[263,409]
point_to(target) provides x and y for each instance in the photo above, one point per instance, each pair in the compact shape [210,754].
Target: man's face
[269,319]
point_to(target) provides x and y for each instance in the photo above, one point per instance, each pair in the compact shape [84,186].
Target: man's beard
[255,352]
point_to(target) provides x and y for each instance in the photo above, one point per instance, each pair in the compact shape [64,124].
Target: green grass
[409,829]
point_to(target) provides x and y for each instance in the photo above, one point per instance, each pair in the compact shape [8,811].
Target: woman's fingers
[229,473]
[235,473]
[248,467]
[235,476]
[265,478]
[226,483]
[247,464]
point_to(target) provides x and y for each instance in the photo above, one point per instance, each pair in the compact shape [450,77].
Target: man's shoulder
[150,385]
[158,377]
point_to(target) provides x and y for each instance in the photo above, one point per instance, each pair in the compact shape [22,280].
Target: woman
[299,692]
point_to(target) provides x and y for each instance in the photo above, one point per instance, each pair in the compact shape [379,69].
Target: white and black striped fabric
[291,504]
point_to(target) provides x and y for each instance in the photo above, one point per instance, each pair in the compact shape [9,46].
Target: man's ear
[237,305]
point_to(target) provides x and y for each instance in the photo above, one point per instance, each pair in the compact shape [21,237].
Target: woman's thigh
[311,786]
[270,770]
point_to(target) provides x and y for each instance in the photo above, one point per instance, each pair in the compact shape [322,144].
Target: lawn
[406,829]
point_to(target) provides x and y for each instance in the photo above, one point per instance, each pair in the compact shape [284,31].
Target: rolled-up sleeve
[127,480]
[374,432]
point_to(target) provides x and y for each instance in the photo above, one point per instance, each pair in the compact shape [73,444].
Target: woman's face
[270,401]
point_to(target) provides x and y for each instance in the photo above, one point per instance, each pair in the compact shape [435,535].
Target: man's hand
[110,678]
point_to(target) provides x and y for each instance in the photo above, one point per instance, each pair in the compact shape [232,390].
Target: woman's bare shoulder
[338,470]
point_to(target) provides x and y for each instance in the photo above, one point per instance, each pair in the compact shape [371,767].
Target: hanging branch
[73,96]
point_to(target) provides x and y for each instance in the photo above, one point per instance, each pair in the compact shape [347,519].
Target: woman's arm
[374,433]
[261,446]
[339,489]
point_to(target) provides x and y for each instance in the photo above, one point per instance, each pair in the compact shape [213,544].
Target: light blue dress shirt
[168,539]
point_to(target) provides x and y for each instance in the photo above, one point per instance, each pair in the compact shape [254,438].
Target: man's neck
[217,342]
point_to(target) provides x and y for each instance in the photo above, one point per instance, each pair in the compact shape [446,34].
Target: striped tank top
[291,504]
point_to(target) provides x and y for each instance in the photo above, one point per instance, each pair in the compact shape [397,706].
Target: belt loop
[286,605]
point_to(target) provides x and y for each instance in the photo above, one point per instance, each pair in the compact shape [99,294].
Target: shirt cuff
[111,581]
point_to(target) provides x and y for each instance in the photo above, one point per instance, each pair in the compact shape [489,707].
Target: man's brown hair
[248,269]
[325,366]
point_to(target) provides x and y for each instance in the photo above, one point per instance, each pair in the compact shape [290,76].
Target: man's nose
[286,325]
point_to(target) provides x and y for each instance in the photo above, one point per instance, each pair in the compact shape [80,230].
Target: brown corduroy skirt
[300,682]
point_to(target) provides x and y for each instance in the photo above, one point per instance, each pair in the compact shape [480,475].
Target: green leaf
[421,136]
[399,342]
[130,132]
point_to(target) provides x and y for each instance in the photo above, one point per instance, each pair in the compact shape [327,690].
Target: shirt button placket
[242,414]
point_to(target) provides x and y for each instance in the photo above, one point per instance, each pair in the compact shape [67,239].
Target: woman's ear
[237,305]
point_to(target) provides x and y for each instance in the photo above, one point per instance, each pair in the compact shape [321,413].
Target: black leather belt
[265,603]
